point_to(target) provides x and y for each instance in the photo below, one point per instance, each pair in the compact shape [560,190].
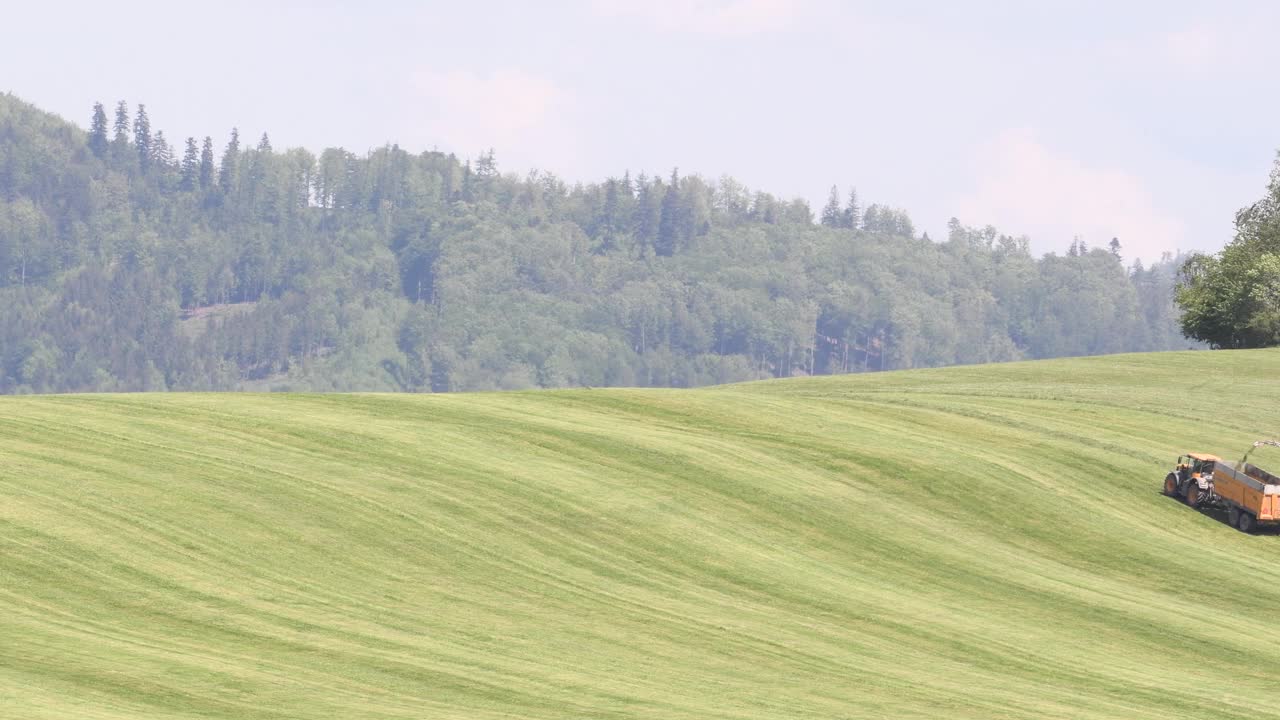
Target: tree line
[127,263]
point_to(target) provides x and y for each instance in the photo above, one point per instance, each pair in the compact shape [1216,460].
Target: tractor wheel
[1171,484]
[1233,516]
[1245,523]
[1193,494]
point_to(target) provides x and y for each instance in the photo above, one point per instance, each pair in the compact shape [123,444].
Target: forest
[131,262]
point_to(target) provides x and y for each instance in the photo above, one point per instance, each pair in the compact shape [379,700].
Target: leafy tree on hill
[1232,299]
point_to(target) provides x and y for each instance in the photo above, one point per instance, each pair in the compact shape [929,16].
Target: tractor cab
[1196,465]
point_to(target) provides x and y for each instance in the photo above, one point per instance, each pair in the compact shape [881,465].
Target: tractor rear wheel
[1245,523]
[1193,494]
[1171,484]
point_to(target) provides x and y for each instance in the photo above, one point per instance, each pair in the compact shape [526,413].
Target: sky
[1152,122]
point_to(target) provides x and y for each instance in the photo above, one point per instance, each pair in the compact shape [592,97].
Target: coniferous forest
[132,261]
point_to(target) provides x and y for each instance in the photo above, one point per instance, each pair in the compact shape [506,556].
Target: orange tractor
[1250,494]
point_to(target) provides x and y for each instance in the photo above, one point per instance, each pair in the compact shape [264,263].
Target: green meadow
[975,542]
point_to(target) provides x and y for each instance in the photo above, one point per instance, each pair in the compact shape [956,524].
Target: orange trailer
[1250,494]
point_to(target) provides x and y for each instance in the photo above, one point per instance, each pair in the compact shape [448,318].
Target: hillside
[984,542]
[423,271]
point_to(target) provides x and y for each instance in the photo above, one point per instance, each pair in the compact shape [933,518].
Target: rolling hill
[976,542]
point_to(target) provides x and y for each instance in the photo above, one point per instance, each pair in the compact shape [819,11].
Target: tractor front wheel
[1193,494]
[1171,484]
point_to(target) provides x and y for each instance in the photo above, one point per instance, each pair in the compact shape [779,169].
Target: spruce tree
[122,123]
[206,163]
[142,138]
[263,198]
[190,166]
[468,182]
[852,213]
[669,220]
[98,131]
[161,152]
[229,171]
[831,215]
[647,212]
[607,228]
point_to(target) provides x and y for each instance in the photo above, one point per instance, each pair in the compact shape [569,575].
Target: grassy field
[984,542]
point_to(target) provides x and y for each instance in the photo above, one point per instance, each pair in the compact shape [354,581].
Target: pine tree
[468,182]
[669,220]
[647,213]
[190,166]
[142,138]
[263,196]
[852,213]
[831,215]
[206,163]
[450,179]
[228,173]
[161,152]
[122,123]
[1115,246]
[609,220]
[98,131]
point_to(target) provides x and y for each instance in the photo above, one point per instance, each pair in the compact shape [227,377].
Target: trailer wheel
[1171,484]
[1246,523]
[1233,516]
[1193,494]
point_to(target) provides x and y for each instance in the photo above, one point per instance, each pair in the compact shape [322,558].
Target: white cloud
[1024,186]
[471,111]
[717,17]
[1205,48]
[1196,47]
[489,108]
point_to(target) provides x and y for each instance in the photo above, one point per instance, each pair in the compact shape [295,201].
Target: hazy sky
[1151,121]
